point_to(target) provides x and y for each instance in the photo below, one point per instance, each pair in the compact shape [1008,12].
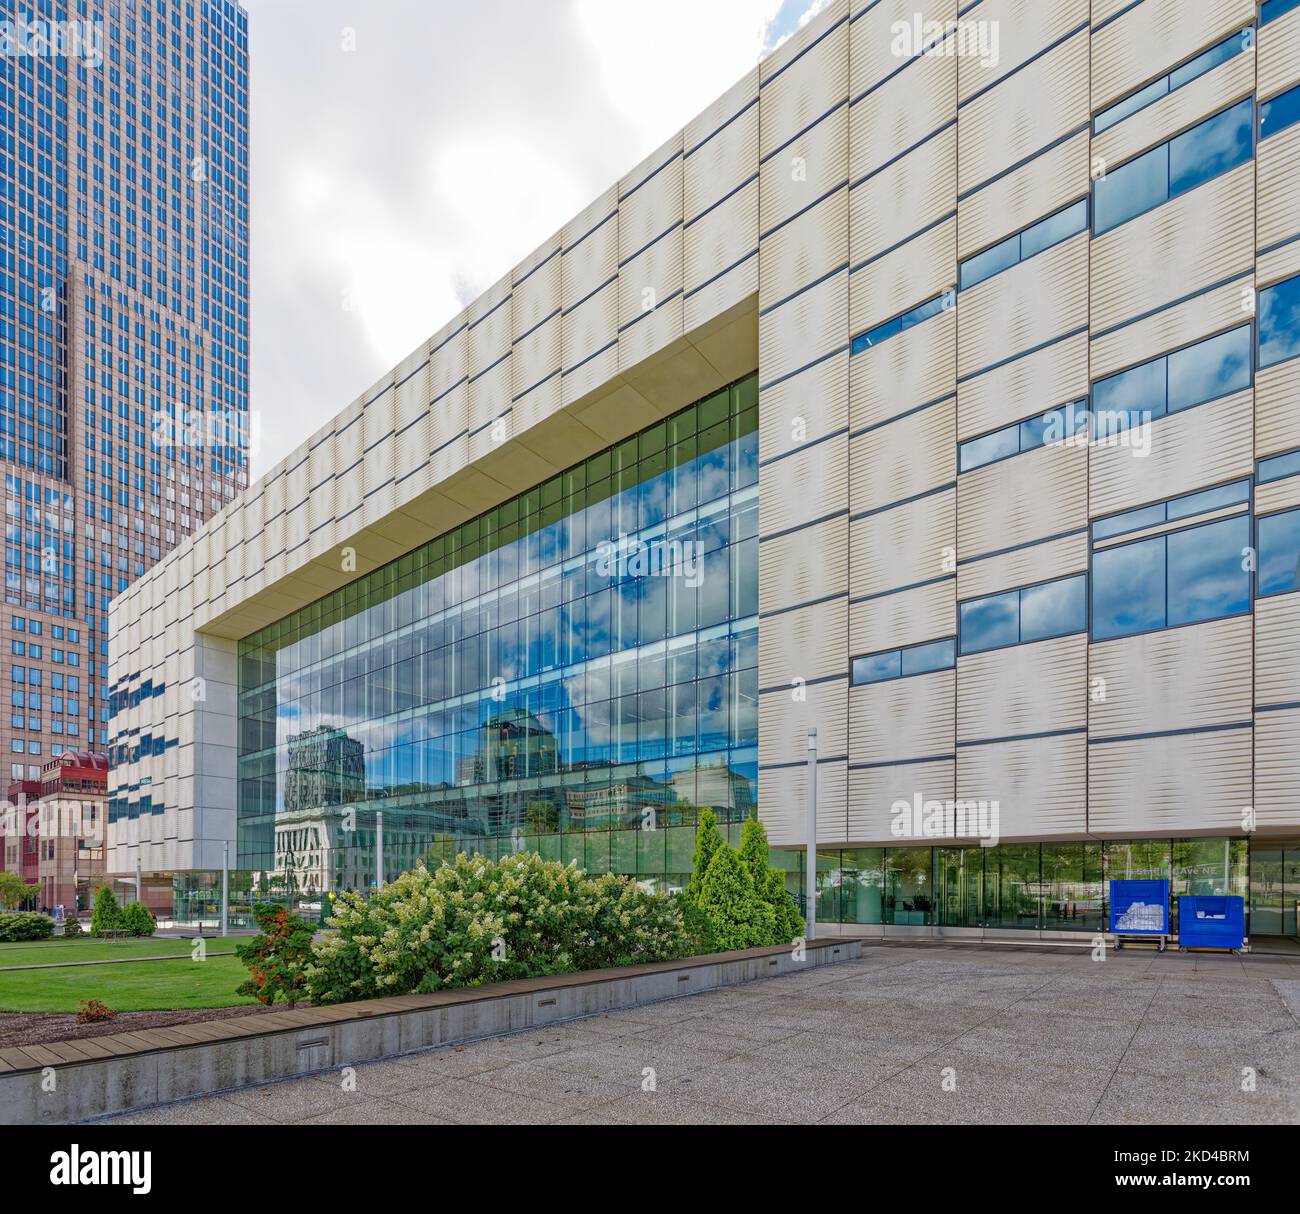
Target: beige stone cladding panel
[1025,29]
[1022,499]
[873,792]
[1041,687]
[810,167]
[1277,420]
[1023,196]
[1204,445]
[1279,188]
[785,717]
[804,407]
[803,566]
[804,251]
[914,193]
[1178,678]
[802,488]
[1154,36]
[1277,770]
[915,368]
[782,797]
[903,545]
[925,613]
[1042,379]
[805,643]
[1040,784]
[1183,246]
[902,719]
[1277,656]
[1196,783]
[1044,562]
[1042,298]
[799,332]
[1023,114]
[900,112]
[906,457]
[883,38]
[1279,54]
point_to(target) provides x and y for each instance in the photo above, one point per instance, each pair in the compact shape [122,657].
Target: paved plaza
[911,1033]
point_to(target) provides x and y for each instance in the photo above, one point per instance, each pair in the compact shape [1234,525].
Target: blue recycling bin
[1139,908]
[1211,921]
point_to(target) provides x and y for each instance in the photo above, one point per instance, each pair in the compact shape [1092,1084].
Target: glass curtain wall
[1053,886]
[574,672]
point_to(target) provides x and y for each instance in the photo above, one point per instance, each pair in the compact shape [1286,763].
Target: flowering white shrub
[475,920]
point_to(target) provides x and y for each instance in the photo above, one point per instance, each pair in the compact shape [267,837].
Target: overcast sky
[407,153]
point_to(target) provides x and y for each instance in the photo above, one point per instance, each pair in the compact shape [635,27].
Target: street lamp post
[810,914]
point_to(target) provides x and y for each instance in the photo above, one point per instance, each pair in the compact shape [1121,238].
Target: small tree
[739,914]
[14,891]
[277,959]
[138,920]
[770,883]
[105,915]
[708,841]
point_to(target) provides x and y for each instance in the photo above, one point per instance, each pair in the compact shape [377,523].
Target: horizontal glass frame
[1054,426]
[1206,61]
[1276,467]
[1278,543]
[1186,506]
[903,663]
[1212,147]
[891,328]
[1032,613]
[1034,239]
[1193,575]
[1279,322]
[1193,375]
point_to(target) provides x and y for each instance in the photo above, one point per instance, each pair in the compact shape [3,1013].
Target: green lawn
[90,949]
[149,986]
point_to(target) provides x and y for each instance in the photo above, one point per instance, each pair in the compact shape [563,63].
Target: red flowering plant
[277,958]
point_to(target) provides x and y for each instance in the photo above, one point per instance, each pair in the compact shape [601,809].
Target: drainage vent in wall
[546,1003]
[313,1043]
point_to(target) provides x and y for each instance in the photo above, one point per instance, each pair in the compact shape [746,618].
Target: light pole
[379,851]
[810,914]
[225,888]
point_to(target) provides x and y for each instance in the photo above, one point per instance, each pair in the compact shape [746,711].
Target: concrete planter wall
[78,1080]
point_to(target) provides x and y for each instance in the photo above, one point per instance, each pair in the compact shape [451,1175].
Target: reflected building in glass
[574,672]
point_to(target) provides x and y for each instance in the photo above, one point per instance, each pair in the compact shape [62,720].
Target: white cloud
[393,183]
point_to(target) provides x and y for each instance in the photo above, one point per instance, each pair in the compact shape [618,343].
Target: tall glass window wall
[1032,886]
[574,672]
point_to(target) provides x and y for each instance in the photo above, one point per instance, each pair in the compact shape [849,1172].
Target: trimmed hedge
[25,925]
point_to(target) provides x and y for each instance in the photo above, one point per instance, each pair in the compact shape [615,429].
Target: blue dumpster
[1211,921]
[1139,908]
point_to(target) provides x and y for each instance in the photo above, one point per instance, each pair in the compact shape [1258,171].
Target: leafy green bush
[474,920]
[72,927]
[25,925]
[277,959]
[138,920]
[105,915]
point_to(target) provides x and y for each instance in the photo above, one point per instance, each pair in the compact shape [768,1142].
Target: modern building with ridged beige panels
[938,388]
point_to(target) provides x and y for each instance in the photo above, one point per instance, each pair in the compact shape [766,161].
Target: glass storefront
[1049,886]
[574,672]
